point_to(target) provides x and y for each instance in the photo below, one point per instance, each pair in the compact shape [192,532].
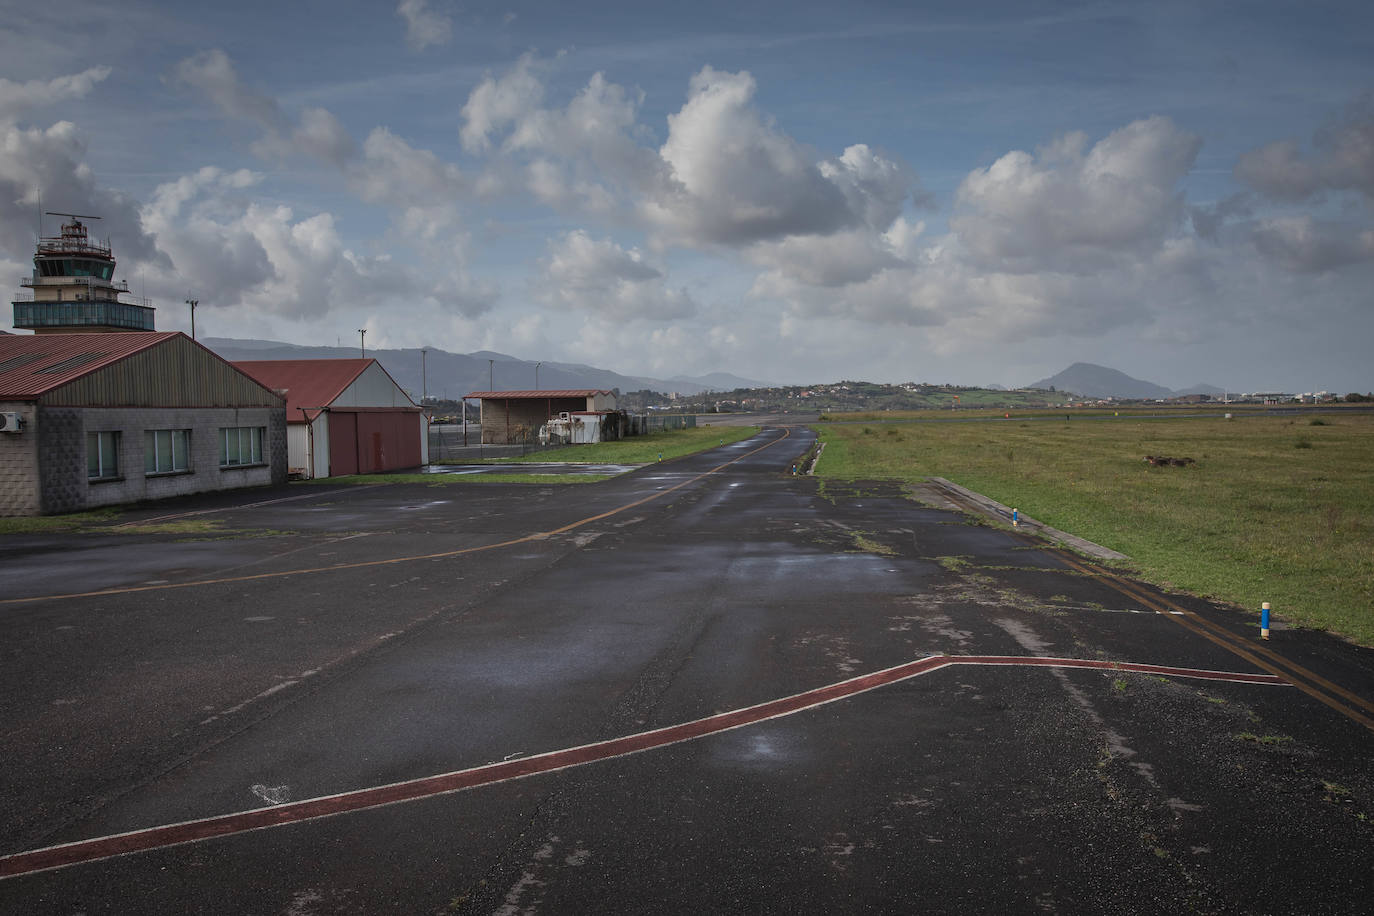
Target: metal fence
[658,421]
[447,444]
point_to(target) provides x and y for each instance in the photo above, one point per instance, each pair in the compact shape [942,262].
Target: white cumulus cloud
[424,26]
[499,102]
[17,98]
[1342,159]
[47,166]
[1304,245]
[735,178]
[600,278]
[1072,208]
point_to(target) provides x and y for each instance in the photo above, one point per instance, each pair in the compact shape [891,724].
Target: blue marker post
[1264,620]
[1015,518]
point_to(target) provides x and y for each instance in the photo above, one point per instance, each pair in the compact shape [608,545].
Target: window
[239,445]
[102,455]
[166,450]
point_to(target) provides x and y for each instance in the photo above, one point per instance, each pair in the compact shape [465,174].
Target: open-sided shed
[512,417]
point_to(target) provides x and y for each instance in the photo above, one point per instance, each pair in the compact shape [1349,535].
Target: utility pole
[424,377]
[193,303]
[536,375]
[362,338]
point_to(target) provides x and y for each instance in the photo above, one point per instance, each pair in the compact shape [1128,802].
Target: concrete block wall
[19,484]
[62,459]
[57,460]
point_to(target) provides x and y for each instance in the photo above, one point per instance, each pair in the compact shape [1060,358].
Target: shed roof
[538,395]
[309,383]
[33,364]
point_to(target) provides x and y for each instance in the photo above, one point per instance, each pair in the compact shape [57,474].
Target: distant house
[344,416]
[511,417]
[98,419]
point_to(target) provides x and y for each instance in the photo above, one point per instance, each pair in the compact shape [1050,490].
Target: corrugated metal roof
[530,395]
[34,364]
[309,383]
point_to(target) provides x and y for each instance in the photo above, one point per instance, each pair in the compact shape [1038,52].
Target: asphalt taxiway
[703,686]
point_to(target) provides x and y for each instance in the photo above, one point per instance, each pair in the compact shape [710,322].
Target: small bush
[1318,421]
[1302,443]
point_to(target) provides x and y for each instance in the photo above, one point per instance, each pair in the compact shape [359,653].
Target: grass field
[1277,509]
[641,449]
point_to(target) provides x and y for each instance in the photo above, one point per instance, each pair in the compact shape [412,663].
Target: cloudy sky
[798,192]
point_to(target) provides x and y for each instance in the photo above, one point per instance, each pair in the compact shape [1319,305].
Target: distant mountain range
[1100,382]
[451,375]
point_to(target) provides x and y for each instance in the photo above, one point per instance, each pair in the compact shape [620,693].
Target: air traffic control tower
[73,290]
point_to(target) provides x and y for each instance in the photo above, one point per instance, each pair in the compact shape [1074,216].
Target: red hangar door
[364,441]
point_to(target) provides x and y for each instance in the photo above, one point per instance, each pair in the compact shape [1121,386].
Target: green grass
[45,523]
[642,449]
[1260,517]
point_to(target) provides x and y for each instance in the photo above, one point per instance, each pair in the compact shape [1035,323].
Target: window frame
[105,470]
[251,436]
[179,447]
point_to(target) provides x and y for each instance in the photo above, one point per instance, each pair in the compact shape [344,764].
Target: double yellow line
[1347,703]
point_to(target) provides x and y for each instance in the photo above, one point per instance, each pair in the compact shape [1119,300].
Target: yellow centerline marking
[363,564]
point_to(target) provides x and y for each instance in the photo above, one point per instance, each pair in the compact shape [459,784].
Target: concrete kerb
[995,509]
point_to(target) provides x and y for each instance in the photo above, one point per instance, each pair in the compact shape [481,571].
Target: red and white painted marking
[92,850]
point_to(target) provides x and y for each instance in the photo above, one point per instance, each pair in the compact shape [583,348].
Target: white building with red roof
[344,416]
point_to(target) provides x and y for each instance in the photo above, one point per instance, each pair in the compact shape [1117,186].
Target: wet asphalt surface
[970,789]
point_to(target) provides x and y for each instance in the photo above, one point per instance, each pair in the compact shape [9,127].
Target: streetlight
[424,377]
[362,337]
[491,375]
[536,375]
[193,303]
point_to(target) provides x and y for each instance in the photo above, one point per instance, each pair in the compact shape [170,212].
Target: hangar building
[344,416]
[98,419]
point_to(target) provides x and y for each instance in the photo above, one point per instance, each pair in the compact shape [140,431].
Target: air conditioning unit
[11,422]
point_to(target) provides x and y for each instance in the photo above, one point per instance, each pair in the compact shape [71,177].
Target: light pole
[491,375]
[424,376]
[362,337]
[536,375]
[193,303]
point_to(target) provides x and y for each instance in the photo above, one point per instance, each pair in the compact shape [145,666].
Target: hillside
[1100,382]
[451,375]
